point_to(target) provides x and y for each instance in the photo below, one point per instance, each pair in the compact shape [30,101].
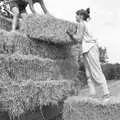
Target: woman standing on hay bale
[19,6]
[90,54]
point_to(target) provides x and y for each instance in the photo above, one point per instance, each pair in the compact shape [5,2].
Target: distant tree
[103,55]
[111,71]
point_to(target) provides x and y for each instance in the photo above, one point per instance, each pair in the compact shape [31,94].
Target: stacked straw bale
[11,42]
[19,97]
[5,23]
[33,67]
[28,67]
[4,116]
[48,28]
[38,65]
[49,50]
[63,55]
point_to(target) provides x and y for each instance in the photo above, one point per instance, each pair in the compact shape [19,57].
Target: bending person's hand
[69,33]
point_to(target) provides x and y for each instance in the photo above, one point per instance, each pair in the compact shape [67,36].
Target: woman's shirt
[86,39]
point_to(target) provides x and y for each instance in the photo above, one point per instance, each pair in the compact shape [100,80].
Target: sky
[104,24]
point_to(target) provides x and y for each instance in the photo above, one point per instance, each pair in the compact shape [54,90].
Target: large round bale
[84,108]
[48,28]
[11,42]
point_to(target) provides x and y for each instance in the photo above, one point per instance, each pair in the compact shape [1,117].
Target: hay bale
[84,108]
[11,42]
[48,28]
[64,55]
[68,69]
[49,50]
[5,23]
[48,112]
[53,112]
[54,51]
[18,97]
[4,116]
[19,66]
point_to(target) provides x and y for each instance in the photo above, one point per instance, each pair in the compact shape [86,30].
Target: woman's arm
[30,2]
[43,6]
[80,33]
[78,36]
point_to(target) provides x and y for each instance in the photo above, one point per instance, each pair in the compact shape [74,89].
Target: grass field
[114,87]
[82,107]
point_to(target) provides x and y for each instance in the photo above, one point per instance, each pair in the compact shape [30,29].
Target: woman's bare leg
[43,7]
[31,6]
[41,2]
[15,11]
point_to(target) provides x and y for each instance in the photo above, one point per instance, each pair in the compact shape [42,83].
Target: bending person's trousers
[93,70]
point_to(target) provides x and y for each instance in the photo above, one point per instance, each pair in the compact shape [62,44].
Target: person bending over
[19,6]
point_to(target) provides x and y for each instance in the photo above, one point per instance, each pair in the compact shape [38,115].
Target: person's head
[82,15]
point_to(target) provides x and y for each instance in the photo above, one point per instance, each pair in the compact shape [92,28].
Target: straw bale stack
[48,28]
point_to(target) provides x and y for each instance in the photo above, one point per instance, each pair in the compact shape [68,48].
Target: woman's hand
[71,34]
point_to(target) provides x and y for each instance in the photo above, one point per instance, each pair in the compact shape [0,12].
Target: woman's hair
[85,13]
